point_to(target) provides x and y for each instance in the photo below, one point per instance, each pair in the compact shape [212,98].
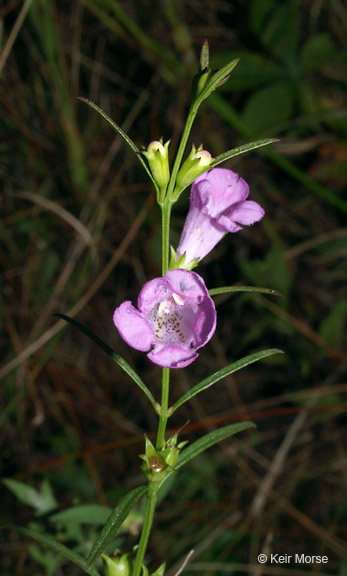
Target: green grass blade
[241,150]
[114,522]
[54,545]
[255,289]
[125,137]
[123,364]
[230,369]
[209,440]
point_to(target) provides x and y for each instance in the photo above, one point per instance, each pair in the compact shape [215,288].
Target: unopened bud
[196,164]
[157,155]
[117,566]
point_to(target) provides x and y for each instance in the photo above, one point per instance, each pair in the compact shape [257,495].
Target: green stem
[187,128]
[164,407]
[165,243]
[146,529]
[165,205]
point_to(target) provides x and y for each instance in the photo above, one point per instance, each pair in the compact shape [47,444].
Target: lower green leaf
[234,367]
[57,546]
[209,440]
[114,522]
[123,364]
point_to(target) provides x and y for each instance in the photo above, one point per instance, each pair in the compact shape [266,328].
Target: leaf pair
[121,511]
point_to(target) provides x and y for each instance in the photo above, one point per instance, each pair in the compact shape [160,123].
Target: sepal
[181,261]
[117,566]
[157,464]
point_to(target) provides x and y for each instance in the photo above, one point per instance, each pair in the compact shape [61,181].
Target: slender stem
[187,128]
[146,529]
[164,406]
[165,243]
[166,206]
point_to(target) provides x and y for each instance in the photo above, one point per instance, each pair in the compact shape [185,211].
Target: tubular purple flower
[217,205]
[175,317]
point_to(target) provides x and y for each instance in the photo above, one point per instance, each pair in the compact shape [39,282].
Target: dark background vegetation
[80,232]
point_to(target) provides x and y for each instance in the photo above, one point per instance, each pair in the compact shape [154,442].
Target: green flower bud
[117,566]
[171,451]
[157,156]
[160,571]
[200,82]
[197,163]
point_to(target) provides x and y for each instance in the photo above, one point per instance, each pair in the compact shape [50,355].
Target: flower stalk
[175,315]
[146,529]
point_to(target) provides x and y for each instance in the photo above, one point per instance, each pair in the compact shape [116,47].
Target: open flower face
[217,205]
[175,317]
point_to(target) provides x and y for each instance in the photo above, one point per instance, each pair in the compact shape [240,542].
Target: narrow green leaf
[54,545]
[209,440]
[216,80]
[114,522]
[230,369]
[257,290]
[123,364]
[84,514]
[125,137]
[241,150]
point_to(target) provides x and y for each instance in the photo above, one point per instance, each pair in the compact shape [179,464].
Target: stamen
[164,307]
[178,299]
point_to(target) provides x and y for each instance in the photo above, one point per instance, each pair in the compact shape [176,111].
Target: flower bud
[117,566]
[157,156]
[160,571]
[196,164]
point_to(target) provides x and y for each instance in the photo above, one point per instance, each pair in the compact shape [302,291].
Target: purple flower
[217,205]
[175,317]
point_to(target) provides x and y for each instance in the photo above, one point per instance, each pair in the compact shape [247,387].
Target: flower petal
[187,284]
[247,212]
[152,293]
[172,356]
[200,234]
[218,190]
[205,324]
[133,327]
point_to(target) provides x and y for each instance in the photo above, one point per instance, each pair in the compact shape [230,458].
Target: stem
[187,128]
[165,206]
[146,529]
[164,406]
[165,242]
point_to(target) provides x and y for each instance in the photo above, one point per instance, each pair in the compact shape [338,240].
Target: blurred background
[80,232]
